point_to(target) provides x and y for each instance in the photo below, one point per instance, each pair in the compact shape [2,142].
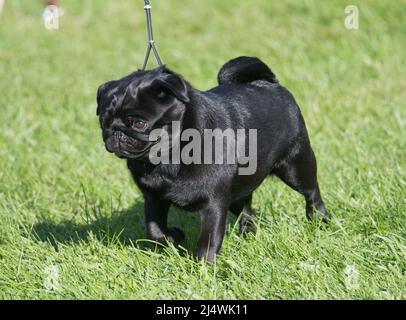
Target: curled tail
[244,70]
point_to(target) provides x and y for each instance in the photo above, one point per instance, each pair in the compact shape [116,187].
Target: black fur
[249,96]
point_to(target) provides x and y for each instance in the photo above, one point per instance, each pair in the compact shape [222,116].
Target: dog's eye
[130,122]
[140,125]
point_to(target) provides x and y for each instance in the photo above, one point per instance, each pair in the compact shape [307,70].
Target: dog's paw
[175,235]
[247,226]
[323,216]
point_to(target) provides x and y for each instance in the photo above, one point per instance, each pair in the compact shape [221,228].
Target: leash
[151,43]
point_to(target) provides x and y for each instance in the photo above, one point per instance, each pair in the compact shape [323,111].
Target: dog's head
[130,108]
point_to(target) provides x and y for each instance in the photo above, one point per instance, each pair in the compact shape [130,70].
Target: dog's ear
[101,92]
[173,85]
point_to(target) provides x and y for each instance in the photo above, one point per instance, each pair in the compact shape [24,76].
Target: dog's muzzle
[129,143]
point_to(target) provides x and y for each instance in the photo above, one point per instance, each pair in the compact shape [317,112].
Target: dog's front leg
[212,231]
[156,222]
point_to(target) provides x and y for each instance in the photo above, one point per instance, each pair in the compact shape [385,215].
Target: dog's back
[243,70]
[252,96]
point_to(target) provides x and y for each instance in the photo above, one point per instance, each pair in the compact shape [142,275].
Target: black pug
[248,96]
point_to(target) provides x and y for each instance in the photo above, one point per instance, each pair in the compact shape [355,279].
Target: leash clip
[151,42]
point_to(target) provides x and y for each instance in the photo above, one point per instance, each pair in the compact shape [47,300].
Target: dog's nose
[118,135]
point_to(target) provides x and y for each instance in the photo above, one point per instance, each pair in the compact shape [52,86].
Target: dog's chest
[164,184]
[179,193]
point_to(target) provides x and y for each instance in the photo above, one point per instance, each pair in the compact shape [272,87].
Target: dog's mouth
[124,154]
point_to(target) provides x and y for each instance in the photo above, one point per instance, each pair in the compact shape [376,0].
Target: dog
[248,96]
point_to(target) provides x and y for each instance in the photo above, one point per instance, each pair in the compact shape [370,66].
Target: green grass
[68,207]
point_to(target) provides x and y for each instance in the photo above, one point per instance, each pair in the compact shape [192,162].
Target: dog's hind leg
[300,173]
[242,207]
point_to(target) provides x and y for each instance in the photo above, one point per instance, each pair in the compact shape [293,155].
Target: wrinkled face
[130,108]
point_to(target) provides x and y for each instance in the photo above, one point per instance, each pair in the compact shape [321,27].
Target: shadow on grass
[119,226]
[124,227]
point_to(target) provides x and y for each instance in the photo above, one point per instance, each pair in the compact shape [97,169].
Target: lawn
[71,219]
